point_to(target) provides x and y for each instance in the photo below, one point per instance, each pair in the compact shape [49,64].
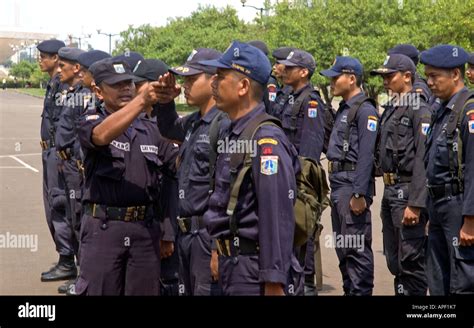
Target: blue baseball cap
[149,70]
[88,58]
[282,52]
[444,56]
[260,45]
[408,50]
[71,54]
[300,58]
[192,65]
[131,57]
[395,63]
[344,65]
[246,59]
[471,59]
[50,46]
[111,71]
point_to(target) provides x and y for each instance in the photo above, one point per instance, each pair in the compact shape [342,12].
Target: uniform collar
[450,103]
[351,101]
[239,125]
[209,116]
[297,93]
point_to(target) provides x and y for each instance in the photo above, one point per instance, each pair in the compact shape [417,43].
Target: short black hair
[258,90]
[462,69]
[359,80]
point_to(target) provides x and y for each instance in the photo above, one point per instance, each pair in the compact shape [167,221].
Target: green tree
[22,70]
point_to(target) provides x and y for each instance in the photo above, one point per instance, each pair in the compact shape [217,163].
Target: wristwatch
[357,195]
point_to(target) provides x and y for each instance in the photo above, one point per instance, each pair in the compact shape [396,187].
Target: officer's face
[117,95]
[226,89]
[87,78]
[470,73]
[397,81]
[67,70]
[197,89]
[47,62]
[342,85]
[278,70]
[442,82]
[293,75]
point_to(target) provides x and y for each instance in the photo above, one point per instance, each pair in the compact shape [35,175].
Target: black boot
[64,270]
[65,287]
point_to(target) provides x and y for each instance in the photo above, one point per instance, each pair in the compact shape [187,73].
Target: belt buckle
[182,226]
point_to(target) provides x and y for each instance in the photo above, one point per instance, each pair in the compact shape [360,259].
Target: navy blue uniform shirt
[362,139]
[264,210]
[436,158]
[127,172]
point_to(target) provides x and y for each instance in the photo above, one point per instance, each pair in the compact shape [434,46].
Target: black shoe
[60,272]
[71,291]
[43,273]
[310,290]
[64,287]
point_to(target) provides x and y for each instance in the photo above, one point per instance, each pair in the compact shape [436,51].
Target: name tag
[149,149]
[125,146]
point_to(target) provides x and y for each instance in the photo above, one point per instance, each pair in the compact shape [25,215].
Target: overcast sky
[86,16]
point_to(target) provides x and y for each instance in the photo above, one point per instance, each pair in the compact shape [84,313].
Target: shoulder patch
[424,128]
[419,90]
[372,125]
[371,117]
[470,112]
[267,141]
[92,117]
[269,165]
[313,104]
[471,126]
[312,112]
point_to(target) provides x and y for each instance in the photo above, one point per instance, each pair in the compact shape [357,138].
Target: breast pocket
[200,162]
[442,152]
[111,164]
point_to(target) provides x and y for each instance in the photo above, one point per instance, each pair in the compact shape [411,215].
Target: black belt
[185,224]
[237,246]
[46,144]
[334,167]
[441,191]
[127,214]
[391,179]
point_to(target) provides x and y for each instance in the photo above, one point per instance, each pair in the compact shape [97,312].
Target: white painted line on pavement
[24,164]
[19,155]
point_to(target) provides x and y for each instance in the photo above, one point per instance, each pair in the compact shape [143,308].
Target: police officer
[302,117]
[419,85]
[86,60]
[351,157]
[148,71]
[53,190]
[254,226]
[470,68]
[403,127]
[67,144]
[194,169]
[283,90]
[125,156]
[271,91]
[449,162]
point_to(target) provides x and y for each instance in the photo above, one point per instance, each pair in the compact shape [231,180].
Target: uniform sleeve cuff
[274,276]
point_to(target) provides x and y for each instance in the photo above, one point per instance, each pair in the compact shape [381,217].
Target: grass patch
[36,92]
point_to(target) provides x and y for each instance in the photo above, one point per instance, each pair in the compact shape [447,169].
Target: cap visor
[330,73]
[382,71]
[139,79]
[118,78]
[287,63]
[214,63]
[185,71]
